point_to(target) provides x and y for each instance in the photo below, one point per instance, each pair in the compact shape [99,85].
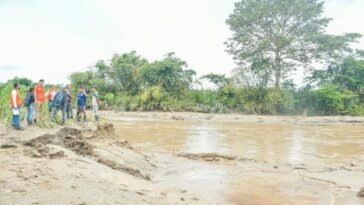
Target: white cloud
[51,39]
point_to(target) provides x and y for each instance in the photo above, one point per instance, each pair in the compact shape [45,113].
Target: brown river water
[272,144]
[278,143]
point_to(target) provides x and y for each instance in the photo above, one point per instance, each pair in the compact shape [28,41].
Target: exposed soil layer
[361,193]
[85,164]
[72,139]
[210,157]
[67,137]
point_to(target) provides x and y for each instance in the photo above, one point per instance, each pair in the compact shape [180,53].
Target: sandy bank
[78,165]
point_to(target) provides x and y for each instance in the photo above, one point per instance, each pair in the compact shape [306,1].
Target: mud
[68,167]
[73,139]
[210,157]
[105,129]
[361,193]
[297,160]
[7,146]
[207,161]
[123,168]
[67,137]
[233,117]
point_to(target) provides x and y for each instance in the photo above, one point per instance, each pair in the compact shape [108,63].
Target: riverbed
[288,160]
[186,158]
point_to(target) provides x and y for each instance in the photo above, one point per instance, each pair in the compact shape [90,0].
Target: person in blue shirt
[81,104]
[59,103]
[29,103]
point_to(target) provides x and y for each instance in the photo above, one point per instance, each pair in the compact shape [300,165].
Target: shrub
[151,98]
[329,101]
[108,100]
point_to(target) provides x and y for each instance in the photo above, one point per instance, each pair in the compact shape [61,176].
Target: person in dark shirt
[60,103]
[69,108]
[29,102]
[81,104]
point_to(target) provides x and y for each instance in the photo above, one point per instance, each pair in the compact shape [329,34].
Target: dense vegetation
[271,38]
[130,83]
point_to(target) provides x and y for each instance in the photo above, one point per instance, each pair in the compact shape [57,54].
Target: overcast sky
[50,39]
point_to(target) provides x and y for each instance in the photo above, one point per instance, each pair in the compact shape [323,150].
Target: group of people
[58,100]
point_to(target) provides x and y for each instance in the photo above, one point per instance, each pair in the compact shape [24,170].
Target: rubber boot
[84,118]
[97,118]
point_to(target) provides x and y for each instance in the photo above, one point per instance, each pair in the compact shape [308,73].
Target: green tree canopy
[283,34]
[123,72]
[130,74]
[348,74]
[23,81]
[219,80]
[169,73]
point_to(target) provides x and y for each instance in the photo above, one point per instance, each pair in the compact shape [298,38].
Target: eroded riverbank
[170,160]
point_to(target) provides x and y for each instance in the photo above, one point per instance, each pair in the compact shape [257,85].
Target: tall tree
[284,33]
[169,73]
[123,72]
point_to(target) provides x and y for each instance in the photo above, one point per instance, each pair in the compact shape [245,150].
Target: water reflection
[277,143]
[203,138]
[296,150]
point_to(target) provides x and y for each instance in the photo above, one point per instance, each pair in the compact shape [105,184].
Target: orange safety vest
[51,94]
[18,102]
[39,93]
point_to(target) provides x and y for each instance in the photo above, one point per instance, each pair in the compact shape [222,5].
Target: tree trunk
[278,70]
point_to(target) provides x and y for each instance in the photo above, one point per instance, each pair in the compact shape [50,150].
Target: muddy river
[280,163]
[278,143]
[186,158]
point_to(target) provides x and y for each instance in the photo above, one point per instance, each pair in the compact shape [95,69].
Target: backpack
[27,100]
[58,99]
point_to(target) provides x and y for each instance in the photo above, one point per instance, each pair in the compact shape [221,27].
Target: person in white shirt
[16,102]
[95,103]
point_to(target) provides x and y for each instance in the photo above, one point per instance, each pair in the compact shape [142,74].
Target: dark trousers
[81,110]
[55,110]
[16,121]
[69,110]
[50,105]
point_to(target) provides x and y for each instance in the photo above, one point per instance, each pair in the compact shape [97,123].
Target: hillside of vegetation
[129,82]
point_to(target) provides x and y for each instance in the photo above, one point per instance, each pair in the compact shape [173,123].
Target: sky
[50,39]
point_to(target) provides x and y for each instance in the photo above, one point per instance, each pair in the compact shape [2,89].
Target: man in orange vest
[39,99]
[16,102]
